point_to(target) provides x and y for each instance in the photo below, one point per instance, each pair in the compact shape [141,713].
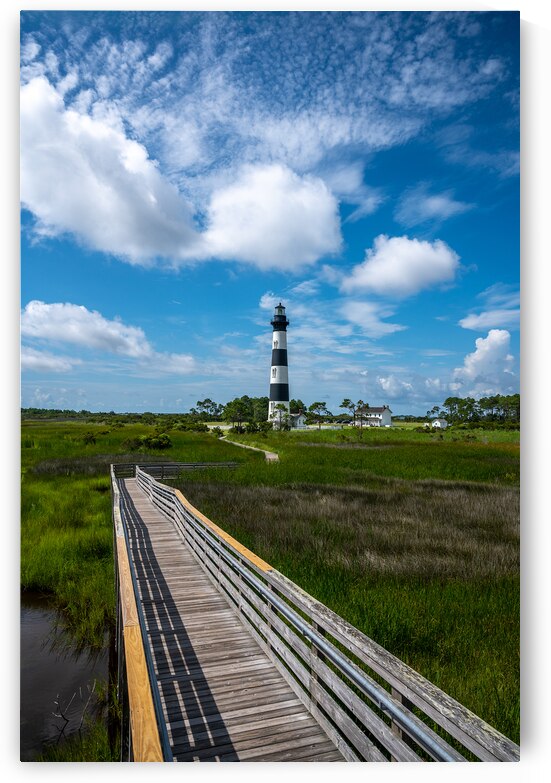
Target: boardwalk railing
[372,706]
[165,470]
[143,731]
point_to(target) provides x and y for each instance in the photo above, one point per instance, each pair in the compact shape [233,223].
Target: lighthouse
[279,373]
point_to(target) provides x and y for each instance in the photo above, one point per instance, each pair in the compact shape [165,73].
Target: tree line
[498,409]
[253,412]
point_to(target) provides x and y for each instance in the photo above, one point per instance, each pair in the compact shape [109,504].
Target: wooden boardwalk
[222,697]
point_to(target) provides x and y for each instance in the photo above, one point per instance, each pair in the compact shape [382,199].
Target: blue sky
[183,172]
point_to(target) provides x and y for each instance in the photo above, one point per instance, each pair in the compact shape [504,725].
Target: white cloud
[401,267]
[30,50]
[395,388]
[272,218]
[501,309]
[305,289]
[368,316]
[417,206]
[42,361]
[80,175]
[66,323]
[268,301]
[491,319]
[489,369]
[75,324]
[346,180]
[500,295]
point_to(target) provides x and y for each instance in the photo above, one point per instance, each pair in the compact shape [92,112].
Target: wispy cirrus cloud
[501,309]
[418,205]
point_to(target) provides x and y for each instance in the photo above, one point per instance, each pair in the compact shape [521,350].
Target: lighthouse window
[276,343]
[274,372]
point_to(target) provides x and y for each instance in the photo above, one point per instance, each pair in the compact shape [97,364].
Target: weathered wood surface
[146,744]
[223,698]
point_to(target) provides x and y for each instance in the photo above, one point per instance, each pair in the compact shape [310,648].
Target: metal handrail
[213,545]
[153,684]
[155,693]
[370,689]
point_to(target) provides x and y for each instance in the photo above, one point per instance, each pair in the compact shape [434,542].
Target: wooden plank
[126,587]
[279,738]
[226,667]
[145,736]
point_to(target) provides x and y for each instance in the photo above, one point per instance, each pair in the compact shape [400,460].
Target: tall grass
[66,530]
[345,457]
[411,537]
[428,568]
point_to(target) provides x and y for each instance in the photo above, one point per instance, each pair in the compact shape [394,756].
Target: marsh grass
[411,538]
[428,569]
[89,744]
[345,457]
[66,530]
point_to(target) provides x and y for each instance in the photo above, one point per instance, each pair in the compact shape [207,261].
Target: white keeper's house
[376,417]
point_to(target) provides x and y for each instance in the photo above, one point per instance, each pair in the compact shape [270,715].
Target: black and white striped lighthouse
[279,373]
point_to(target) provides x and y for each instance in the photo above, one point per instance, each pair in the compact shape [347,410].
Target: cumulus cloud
[394,388]
[489,369]
[401,267]
[82,176]
[418,206]
[66,323]
[75,324]
[42,361]
[271,217]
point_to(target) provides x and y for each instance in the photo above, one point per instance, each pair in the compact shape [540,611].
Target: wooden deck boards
[223,699]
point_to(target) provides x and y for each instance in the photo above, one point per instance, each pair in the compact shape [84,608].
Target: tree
[261,407]
[361,410]
[296,406]
[451,405]
[350,406]
[207,409]
[319,411]
[237,411]
[280,417]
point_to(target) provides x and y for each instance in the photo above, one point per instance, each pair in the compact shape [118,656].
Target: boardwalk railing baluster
[369,703]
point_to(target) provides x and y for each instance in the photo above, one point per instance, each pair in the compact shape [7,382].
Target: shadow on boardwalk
[195,725]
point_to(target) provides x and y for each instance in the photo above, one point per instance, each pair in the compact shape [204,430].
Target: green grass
[90,744]
[411,537]
[66,531]
[415,541]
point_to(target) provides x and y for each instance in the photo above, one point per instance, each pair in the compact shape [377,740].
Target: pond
[56,679]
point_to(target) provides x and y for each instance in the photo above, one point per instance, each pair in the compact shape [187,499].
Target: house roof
[378,410]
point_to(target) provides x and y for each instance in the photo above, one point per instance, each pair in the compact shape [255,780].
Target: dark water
[52,671]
